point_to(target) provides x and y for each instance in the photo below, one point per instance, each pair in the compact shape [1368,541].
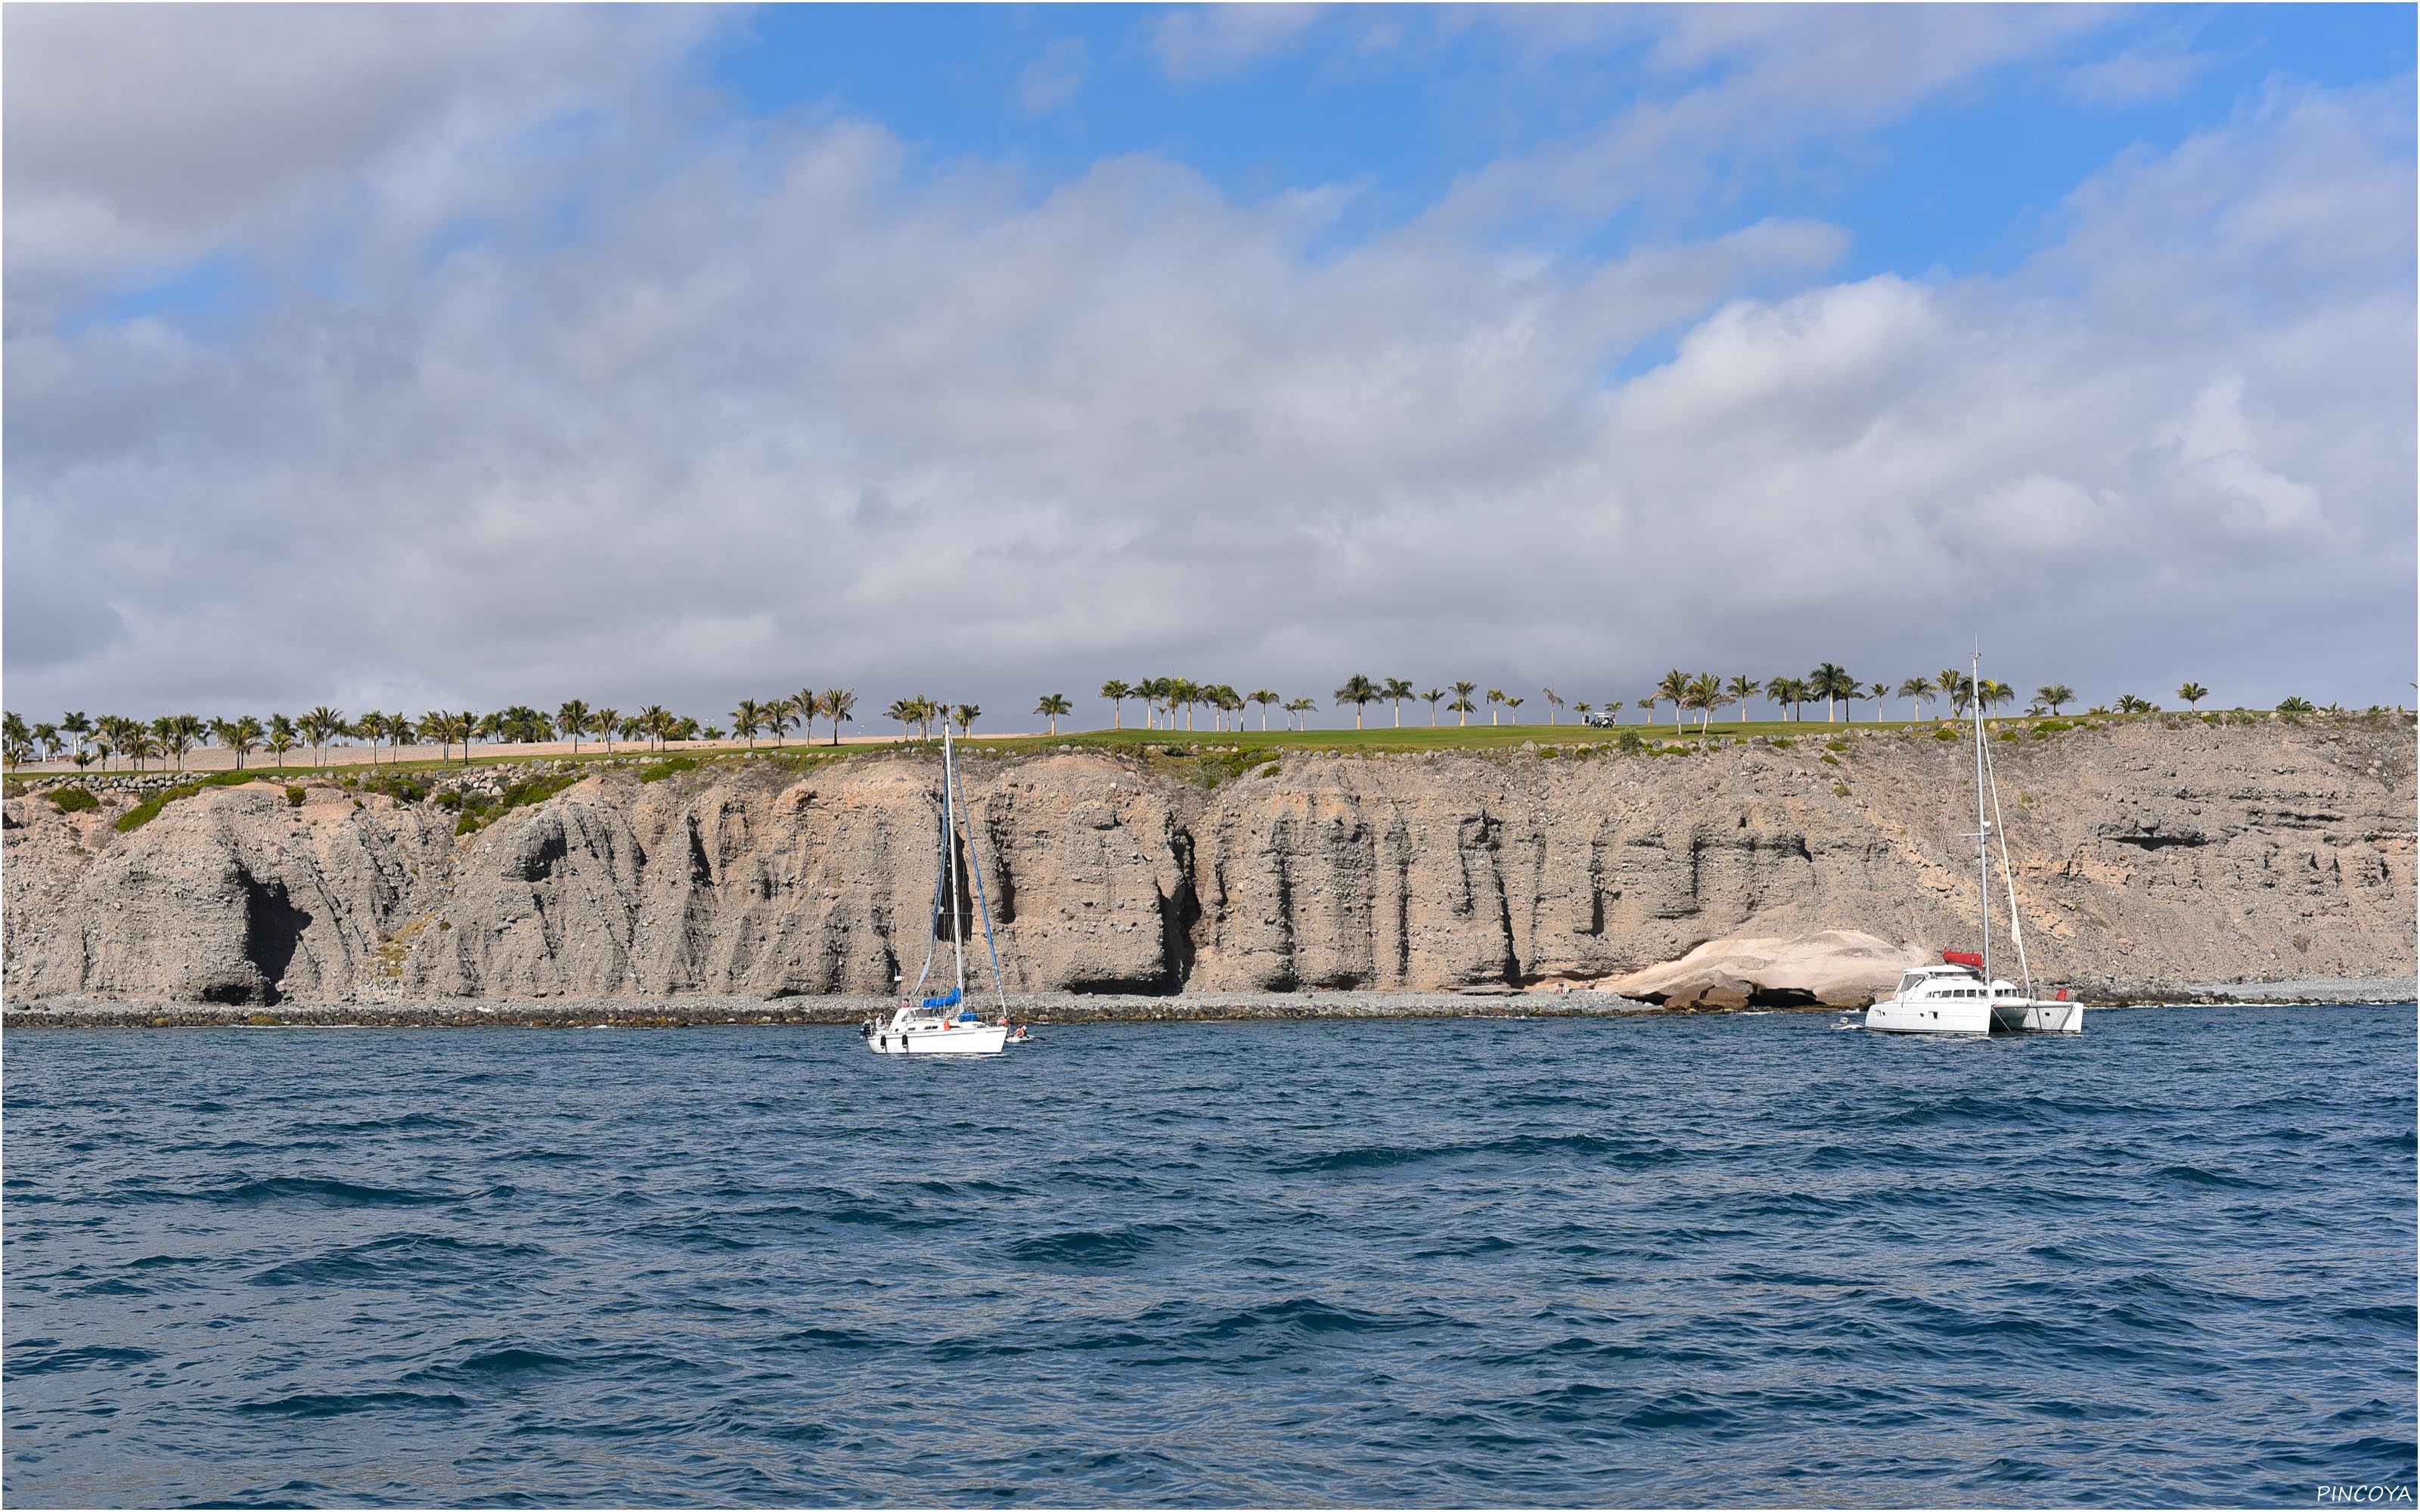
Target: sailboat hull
[963,1040]
[2007,1015]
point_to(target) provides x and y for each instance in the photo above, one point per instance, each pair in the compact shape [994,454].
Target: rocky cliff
[2146,855]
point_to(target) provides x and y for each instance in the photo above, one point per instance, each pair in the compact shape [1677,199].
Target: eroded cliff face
[2143,856]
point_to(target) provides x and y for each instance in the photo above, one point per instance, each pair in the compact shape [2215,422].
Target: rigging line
[2007,879]
[950,862]
[932,922]
[975,870]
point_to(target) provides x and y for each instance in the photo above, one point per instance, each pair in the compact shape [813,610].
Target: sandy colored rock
[1838,968]
[2144,855]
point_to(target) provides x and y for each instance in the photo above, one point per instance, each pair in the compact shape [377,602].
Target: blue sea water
[1472,1262]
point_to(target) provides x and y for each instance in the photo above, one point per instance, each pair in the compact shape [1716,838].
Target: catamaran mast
[1982,824]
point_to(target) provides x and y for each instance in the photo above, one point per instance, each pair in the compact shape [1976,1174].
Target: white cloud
[2132,78]
[1206,41]
[1053,79]
[796,408]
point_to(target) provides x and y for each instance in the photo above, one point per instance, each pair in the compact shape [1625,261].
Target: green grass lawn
[1378,736]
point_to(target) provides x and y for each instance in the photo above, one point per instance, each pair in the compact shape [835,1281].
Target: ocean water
[1472,1262]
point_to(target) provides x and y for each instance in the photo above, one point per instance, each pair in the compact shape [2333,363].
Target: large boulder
[1836,967]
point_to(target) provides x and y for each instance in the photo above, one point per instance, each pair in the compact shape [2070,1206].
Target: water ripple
[1477,1262]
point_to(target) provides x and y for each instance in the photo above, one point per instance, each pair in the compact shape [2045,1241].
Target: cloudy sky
[442,357]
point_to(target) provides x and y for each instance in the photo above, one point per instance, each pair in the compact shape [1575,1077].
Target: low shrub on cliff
[666,767]
[230,780]
[148,809]
[72,800]
[294,796]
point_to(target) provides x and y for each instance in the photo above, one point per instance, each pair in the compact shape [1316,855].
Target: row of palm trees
[777,717]
[172,737]
[85,739]
[1701,693]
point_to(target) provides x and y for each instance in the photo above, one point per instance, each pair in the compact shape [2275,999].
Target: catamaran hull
[1976,1016]
[968,1040]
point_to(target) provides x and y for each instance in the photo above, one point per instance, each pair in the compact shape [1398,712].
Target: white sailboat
[1961,996]
[944,1024]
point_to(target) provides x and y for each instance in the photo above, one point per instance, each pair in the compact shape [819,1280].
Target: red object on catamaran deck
[1962,958]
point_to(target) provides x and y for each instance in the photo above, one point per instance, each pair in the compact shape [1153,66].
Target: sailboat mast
[950,855]
[1982,825]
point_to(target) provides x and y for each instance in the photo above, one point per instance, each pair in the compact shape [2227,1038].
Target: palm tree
[653,721]
[47,736]
[14,737]
[1265,697]
[965,714]
[280,742]
[1994,693]
[1117,692]
[781,713]
[1742,688]
[1054,704]
[1878,692]
[1704,694]
[1582,707]
[1299,707]
[903,710]
[2296,704]
[171,737]
[1831,683]
[1553,703]
[747,719]
[2052,695]
[1513,708]
[369,727]
[2128,703]
[572,719]
[839,706]
[77,727]
[1359,692]
[1432,698]
[1396,691]
[1918,692]
[1495,696]
[1462,704]
[461,725]
[606,722]
[1673,689]
[1614,708]
[2192,693]
[317,726]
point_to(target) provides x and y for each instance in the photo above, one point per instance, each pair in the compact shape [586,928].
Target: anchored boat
[1961,996]
[944,1024]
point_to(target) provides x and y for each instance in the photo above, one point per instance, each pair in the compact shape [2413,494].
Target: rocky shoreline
[706,1011]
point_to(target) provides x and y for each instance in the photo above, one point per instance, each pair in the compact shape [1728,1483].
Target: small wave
[501,1363]
[1377,1157]
[1087,1248]
[397,1257]
[325,1191]
[336,1404]
[2197,1176]
[91,1357]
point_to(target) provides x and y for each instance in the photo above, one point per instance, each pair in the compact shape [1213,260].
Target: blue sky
[1330,325]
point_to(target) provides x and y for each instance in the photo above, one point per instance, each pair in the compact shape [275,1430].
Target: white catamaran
[944,1024]
[1961,996]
